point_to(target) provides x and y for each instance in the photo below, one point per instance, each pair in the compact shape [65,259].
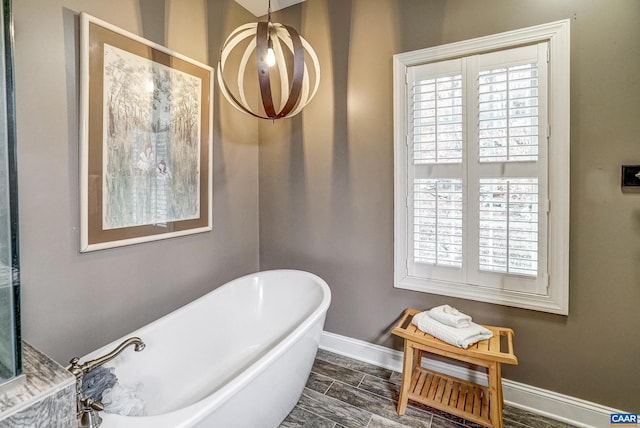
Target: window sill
[555,304]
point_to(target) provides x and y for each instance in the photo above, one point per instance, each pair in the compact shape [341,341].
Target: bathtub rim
[198,410]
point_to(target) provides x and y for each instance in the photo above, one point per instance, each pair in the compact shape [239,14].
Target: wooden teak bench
[459,397]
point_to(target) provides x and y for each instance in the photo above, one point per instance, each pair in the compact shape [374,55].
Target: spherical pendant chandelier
[286,65]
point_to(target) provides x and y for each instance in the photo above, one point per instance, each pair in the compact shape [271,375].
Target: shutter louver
[508,114]
[437,120]
[438,221]
[509,226]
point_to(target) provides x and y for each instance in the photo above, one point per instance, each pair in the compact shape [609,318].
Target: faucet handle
[90,403]
[90,417]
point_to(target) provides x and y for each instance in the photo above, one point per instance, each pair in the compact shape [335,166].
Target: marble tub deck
[346,393]
[45,398]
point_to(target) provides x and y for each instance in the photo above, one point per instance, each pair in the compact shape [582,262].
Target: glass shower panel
[10,350]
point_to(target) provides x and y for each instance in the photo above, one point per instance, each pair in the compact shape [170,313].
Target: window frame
[556,299]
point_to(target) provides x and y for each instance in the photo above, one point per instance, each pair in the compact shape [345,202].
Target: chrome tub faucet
[87,408]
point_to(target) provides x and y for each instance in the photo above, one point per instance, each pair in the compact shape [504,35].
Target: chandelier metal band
[295,91]
[264,78]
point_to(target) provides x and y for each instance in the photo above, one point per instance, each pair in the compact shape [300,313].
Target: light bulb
[271,57]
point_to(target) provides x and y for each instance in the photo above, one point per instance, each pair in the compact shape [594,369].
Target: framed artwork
[145,139]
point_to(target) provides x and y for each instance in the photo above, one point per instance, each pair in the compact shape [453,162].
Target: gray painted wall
[326,182]
[73,303]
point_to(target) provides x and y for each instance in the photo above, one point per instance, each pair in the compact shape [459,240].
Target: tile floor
[346,393]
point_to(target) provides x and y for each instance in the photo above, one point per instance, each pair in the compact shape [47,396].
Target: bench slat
[487,350]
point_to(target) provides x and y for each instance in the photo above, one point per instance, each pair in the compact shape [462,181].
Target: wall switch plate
[631,177]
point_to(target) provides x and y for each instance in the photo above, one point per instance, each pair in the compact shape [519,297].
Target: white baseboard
[557,406]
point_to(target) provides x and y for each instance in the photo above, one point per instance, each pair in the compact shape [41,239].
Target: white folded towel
[461,337]
[450,316]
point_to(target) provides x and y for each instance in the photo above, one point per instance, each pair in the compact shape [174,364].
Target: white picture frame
[146,126]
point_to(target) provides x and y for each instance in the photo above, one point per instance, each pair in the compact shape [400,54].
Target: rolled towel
[450,316]
[461,337]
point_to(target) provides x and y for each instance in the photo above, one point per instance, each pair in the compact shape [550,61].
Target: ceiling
[259,7]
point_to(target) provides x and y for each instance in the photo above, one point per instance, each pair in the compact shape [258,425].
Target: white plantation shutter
[435,136]
[473,181]
[474,127]
[508,166]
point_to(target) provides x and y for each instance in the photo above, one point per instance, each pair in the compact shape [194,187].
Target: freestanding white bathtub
[237,357]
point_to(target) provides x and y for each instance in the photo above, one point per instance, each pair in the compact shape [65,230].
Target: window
[482,169]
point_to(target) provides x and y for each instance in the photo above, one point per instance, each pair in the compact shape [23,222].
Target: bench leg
[407,370]
[495,398]
[501,402]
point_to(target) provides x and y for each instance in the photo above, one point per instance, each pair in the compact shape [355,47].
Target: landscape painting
[146,140]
